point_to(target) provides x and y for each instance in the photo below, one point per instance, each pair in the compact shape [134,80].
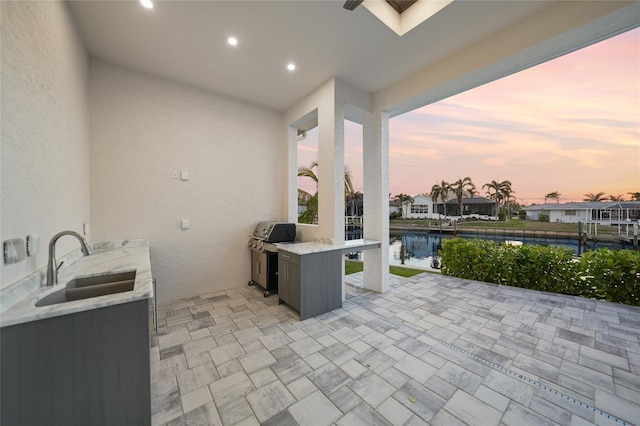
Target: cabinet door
[259,268]
[294,285]
[283,280]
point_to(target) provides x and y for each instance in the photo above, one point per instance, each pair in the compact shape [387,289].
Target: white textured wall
[141,129]
[45,151]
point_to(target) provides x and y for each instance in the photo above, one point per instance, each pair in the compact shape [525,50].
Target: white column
[376,199]
[331,172]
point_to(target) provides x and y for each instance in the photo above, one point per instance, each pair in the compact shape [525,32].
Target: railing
[353,227]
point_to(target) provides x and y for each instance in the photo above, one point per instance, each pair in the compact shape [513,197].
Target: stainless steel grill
[264,255]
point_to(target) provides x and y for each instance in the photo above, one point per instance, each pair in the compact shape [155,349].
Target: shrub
[543,217]
[603,274]
[613,275]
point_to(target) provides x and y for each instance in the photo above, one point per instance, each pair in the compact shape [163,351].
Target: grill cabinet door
[259,267]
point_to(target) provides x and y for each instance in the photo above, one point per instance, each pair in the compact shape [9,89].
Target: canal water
[420,247]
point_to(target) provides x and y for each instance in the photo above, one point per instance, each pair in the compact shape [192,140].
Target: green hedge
[611,275]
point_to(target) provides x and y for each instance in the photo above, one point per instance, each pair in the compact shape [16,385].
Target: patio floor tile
[432,350]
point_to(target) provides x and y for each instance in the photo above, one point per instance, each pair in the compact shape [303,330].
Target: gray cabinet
[310,283]
[289,279]
[87,368]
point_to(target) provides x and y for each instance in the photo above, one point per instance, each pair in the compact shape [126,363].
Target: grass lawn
[529,225]
[353,266]
[526,225]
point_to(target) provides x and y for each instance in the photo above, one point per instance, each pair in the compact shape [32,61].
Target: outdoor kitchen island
[310,274]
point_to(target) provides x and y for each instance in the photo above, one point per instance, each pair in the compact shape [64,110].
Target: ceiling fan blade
[352,4]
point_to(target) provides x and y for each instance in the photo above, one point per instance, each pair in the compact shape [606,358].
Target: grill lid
[275,232]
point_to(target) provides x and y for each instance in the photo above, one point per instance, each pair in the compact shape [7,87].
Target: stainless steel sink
[87,287]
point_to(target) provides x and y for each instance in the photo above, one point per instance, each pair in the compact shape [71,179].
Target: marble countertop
[110,257]
[317,247]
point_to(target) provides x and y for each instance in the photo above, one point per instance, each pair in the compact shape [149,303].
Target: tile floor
[433,350]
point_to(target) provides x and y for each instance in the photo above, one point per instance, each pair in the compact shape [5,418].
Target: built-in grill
[264,255]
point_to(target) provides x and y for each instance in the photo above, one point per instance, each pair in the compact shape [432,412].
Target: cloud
[571,124]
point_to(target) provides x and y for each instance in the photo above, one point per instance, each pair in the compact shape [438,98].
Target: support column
[331,172]
[376,199]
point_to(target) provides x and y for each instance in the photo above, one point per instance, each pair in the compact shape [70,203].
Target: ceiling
[187,41]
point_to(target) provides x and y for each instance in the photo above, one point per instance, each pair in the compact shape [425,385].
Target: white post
[331,171]
[376,202]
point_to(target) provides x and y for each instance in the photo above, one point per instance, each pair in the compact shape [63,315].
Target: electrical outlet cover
[14,250]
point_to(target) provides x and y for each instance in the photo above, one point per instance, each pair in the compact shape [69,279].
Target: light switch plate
[184,224]
[33,245]
[184,175]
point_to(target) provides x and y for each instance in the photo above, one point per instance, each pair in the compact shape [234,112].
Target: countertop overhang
[117,256]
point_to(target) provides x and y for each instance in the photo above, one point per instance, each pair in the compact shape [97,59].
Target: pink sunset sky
[570,125]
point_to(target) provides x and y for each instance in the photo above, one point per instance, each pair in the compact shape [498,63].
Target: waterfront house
[602,212]
[475,207]
[423,207]
[420,208]
[623,214]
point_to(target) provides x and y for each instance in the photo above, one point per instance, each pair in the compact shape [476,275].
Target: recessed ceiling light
[291,66]
[232,41]
[147,3]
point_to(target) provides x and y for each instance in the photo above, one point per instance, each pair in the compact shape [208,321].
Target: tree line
[598,196]
[501,192]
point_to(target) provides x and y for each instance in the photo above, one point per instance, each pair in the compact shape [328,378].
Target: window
[419,208]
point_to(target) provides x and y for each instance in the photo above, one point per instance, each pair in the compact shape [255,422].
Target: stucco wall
[420,200]
[45,149]
[142,128]
[561,216]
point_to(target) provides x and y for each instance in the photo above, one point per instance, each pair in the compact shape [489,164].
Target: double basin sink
[87,287]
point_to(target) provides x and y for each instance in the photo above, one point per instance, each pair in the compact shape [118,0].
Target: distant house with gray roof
[603,213]
[423,207]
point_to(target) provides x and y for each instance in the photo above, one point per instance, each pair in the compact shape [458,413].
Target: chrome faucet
[52,267]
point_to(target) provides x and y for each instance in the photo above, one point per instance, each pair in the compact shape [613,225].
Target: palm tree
[459,187]
[349,193]
[501,192]
[594,197]
[348,184]
[495,186]
[507,195]
[311,214]
[403,199]
[635,196]
[352,199]
[616,197]
[555,195]
[441,192]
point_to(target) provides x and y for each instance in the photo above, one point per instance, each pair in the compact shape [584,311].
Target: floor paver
[432,350]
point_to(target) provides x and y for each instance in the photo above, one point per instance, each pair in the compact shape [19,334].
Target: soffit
[186,41]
